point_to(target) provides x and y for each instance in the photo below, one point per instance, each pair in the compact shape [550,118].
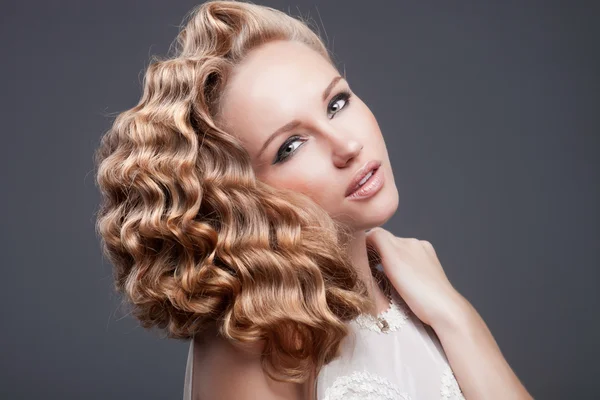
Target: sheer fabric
[401,358]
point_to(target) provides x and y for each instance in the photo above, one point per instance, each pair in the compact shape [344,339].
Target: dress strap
[189,373]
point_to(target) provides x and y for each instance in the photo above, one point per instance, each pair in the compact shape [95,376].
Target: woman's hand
[414,270]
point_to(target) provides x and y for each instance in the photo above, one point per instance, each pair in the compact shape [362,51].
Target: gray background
[490,113]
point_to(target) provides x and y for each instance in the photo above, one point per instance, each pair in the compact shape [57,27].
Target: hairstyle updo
[194,238]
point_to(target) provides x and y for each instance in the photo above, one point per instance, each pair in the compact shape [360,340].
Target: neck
[360,261]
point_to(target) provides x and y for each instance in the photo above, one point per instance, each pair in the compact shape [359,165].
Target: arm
[477,362]
[415,271]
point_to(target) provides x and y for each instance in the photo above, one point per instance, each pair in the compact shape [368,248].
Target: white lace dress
[401,358]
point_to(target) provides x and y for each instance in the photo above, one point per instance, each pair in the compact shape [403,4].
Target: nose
[344,147]
[345,151]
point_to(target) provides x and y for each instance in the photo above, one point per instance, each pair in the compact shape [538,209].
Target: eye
[288,148]
[339,101]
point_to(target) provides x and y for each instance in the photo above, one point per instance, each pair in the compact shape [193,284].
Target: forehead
[275,83]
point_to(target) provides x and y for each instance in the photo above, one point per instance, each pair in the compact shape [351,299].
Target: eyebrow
[293,124]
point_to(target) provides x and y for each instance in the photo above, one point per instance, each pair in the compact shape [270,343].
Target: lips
[360,174]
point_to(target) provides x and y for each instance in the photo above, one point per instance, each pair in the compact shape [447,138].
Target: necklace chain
[382,323]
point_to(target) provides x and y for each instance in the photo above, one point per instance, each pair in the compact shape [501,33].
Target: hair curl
[194,238]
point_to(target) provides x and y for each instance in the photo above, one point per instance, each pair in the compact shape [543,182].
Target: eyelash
[343,95]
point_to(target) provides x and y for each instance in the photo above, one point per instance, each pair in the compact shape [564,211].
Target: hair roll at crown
[194,238]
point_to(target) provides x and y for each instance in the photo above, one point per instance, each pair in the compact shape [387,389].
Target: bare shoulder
[223,371]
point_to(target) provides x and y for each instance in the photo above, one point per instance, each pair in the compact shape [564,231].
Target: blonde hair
[195,239]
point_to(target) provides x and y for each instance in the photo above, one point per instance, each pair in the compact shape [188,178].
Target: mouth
[363,176]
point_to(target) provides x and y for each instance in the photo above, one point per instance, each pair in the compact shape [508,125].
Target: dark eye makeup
[283,154]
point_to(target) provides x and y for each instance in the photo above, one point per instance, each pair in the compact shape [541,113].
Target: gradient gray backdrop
[490,114]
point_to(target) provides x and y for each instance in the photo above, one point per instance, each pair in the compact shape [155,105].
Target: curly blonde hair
[194,238]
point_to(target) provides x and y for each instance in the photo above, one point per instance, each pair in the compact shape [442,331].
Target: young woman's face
[328,132]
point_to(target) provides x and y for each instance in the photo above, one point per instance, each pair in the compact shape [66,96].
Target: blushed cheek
[310,187]
[315,188]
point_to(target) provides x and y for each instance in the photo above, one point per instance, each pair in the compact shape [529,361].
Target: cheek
[362,122]
[307,181]
[370,122]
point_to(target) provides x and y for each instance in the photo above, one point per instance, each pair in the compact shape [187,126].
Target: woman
[237,196]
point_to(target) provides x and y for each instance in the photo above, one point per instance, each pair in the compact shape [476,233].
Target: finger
[428,246]
[377,239]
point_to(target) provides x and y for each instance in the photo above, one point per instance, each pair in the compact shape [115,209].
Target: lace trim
[363,385]
[450,389]
[395,317]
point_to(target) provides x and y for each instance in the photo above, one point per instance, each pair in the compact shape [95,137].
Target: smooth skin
[330,136]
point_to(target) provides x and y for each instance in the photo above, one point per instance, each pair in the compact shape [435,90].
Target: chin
[381,212]
[376,211]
